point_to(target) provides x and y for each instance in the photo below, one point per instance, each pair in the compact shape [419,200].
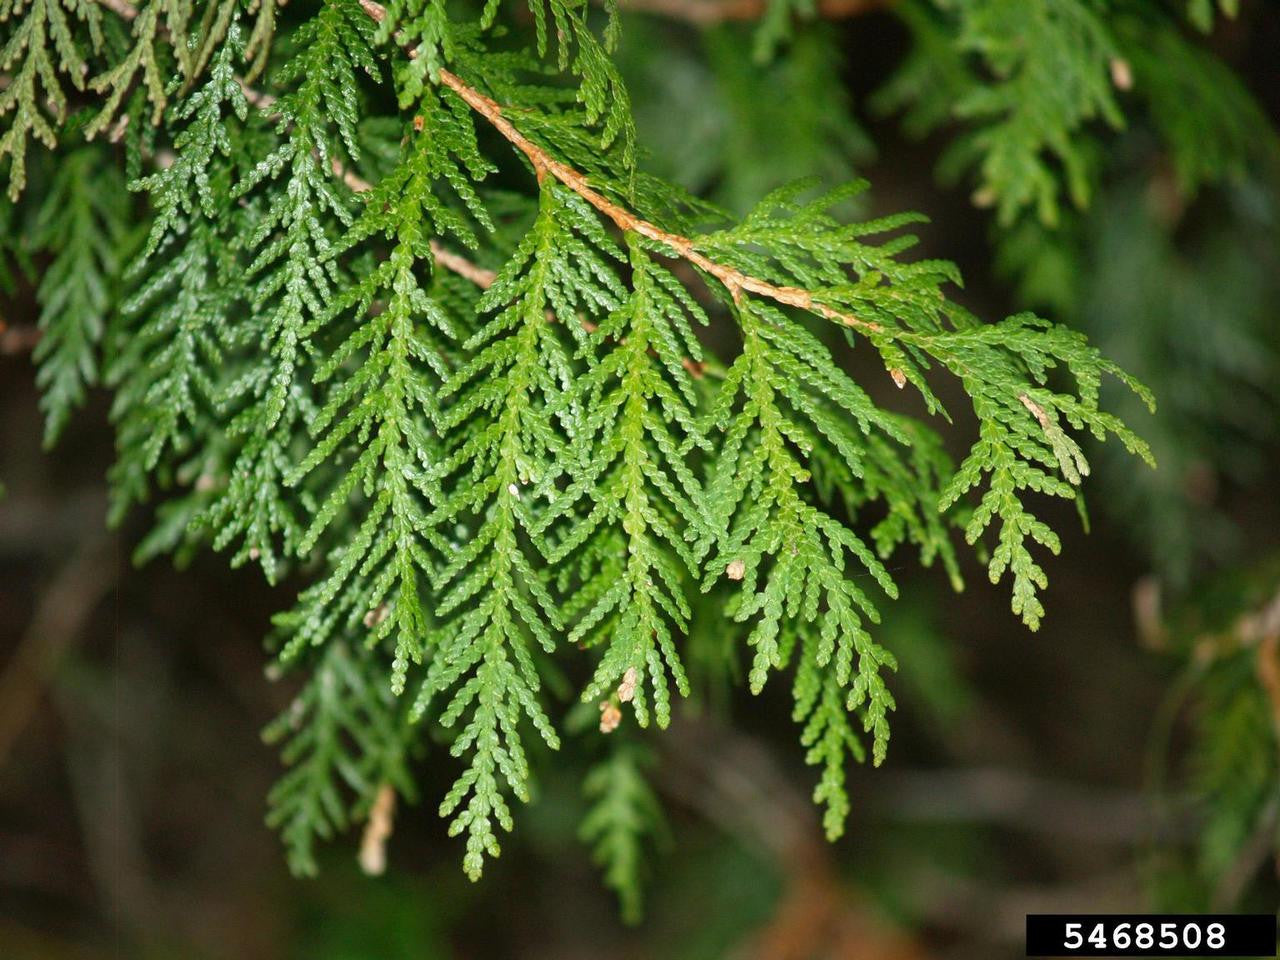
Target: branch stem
[734,280]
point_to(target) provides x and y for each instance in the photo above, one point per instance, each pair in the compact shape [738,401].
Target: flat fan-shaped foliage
[412,326]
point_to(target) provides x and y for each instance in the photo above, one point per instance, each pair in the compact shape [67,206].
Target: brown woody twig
[734,280]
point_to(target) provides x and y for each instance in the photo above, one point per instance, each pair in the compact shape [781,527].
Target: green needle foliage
[147,62]
[1051,60]
[1028,82]
[1224,640]
[39,45]
[172,337]
[624,817]
[86,221]
[292,275]
[494,595]
[634,491]
[344,733]
[414,326]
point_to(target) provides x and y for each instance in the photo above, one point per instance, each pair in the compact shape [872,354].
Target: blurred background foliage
[1115,168]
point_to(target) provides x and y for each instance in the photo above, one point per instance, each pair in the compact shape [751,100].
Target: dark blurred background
[1049,772]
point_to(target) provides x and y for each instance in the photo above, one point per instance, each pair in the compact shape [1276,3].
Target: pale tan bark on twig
[373,843]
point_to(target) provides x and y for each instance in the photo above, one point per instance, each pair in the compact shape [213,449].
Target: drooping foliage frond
[624,817]
[85,220]
[342,737]
[174,338]
[41,56]
[292,274]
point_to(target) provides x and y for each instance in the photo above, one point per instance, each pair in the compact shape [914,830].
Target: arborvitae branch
[147,57]
[1004,375]
[383,399]
[474,465]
